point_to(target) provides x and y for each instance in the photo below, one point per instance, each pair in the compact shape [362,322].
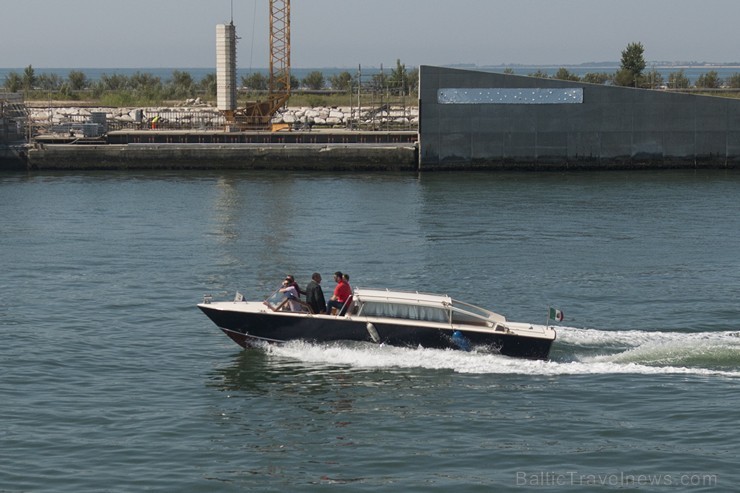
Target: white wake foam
[608,352]
[636,338]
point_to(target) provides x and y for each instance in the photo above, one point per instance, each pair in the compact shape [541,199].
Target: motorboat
[381,316]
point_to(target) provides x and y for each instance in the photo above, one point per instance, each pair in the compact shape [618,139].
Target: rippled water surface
[112,380]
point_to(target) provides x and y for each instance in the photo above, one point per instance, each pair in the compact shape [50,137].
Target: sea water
[112,380]
[198,73]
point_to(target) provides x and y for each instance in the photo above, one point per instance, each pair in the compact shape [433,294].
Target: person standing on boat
[315,295]
[342,292]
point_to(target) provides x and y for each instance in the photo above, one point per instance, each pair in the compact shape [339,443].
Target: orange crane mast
[258,114]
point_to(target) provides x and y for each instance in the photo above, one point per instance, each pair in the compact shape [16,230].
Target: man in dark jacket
[315,295]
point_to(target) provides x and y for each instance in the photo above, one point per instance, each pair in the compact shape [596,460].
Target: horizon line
[655,63]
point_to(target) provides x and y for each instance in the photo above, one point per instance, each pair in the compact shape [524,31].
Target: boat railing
[347,306]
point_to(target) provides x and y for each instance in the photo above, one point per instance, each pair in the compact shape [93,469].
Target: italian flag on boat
[555,314]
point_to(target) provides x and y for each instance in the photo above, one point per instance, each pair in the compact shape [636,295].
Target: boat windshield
[405,311]
[464,313]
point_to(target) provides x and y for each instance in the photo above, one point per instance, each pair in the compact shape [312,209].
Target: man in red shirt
[341,294]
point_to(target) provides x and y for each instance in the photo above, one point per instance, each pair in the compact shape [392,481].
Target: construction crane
[258,114]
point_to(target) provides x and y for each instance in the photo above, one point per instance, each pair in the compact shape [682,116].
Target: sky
[348,33]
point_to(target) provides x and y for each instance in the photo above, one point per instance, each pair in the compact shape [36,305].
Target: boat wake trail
[575,352]
[710,350]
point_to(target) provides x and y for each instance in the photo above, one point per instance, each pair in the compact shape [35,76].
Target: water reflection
[254,372]
[252,217]
[272,223]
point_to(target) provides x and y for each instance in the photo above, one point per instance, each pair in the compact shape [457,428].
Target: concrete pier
[151,149]
[224,156]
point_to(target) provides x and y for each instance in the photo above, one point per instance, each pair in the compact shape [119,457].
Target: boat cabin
[411,305]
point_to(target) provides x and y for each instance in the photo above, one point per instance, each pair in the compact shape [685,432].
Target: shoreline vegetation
[147,89]
[339,89]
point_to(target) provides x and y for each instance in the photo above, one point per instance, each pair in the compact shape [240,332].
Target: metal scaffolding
[377,104]
[13,118]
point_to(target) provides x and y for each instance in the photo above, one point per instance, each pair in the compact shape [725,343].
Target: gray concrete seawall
[381,157]
[473,119]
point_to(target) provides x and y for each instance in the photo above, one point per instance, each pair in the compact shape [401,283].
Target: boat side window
[409,312]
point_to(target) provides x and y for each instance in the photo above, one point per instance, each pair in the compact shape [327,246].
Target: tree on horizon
[29,78]
[710,80]
[342,81]
[314,81]
[631,66]
[678,80]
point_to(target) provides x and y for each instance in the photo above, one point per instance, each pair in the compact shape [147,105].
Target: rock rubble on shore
[200,115]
